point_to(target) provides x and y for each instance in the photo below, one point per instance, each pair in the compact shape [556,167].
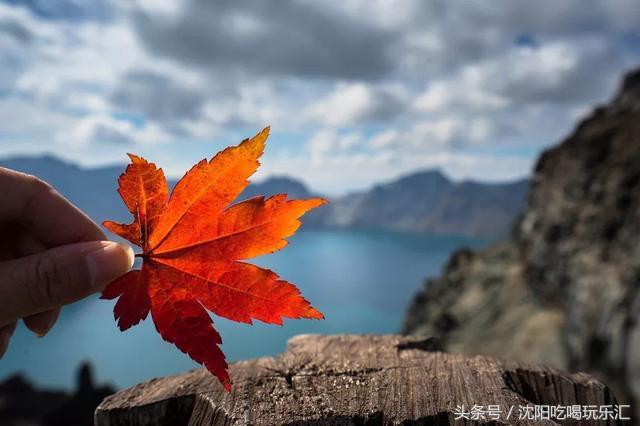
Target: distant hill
[94,190]
[422,202]
[278,185]
[430,202]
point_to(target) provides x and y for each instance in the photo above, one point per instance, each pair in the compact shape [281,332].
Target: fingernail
[4,341]
[108,262]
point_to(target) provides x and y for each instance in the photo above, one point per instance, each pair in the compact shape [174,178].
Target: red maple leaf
[193,244]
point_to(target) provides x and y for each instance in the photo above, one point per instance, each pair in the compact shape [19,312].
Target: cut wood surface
[345,379]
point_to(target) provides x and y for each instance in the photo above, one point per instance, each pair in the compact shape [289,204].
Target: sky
[355,91]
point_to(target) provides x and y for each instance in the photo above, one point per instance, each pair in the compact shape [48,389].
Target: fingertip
[41,323]
[108,262]
[130,255]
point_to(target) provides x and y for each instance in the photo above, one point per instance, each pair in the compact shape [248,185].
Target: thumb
[59,276]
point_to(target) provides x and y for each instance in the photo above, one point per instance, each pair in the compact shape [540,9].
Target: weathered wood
[349,380]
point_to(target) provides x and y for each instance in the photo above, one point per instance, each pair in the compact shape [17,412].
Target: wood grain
[348,380]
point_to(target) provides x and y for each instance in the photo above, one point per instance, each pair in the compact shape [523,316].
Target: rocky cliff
[564,288]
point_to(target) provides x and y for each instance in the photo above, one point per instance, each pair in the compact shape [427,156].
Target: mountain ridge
[430,202]
[425,201]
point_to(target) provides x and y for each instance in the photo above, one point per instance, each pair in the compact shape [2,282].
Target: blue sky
[356,91]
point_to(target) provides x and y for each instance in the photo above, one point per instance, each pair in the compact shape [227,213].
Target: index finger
[45,213]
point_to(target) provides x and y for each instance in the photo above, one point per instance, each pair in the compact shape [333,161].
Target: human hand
[51,254]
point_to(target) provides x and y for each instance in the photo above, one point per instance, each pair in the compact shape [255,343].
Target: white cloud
[24,121]
[350,140]
[160,8]
[466,91]
[357,103]
[369,88]
[356,171]
[385,139]
[347,104]
[327,143]
[321,144]
[436,132]
[553,73]
[103,129]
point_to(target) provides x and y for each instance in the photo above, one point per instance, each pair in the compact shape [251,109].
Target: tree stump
[345,379]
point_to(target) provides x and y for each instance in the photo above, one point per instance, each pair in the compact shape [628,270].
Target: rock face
[354,380]
[564,288]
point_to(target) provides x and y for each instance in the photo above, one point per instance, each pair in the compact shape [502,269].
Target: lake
[361,280]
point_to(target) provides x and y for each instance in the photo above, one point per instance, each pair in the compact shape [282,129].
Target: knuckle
[39,192]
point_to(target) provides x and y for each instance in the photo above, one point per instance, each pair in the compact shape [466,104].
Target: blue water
[361,280]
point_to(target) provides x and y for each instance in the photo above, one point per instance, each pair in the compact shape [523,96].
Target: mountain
[278,185]
[564,288]
[429,202]
[94,190]
[422,202]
